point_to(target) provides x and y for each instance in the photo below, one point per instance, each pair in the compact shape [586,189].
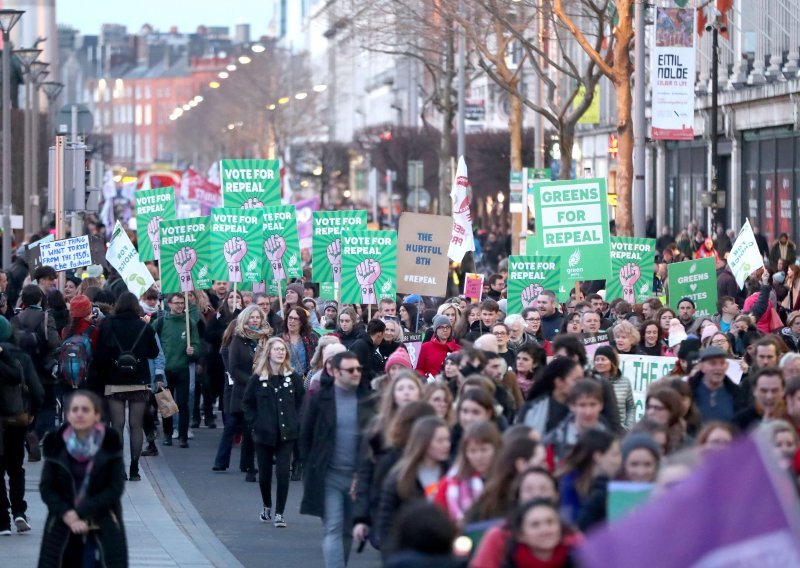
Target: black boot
[134,473]
[151,450]
[297,472]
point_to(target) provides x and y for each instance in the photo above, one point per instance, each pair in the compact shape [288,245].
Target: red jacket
[82,326]
[432,355]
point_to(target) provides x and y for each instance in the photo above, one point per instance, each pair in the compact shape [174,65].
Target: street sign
[424,199]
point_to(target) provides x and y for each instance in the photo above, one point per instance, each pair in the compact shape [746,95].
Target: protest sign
[745,258]
[473,286]
[250,184]
[413,344]
[564,285]
[152,207]
[695,279]
[66,254]
[529,276]
[236,244]
[632,266]
[735,509]
[572,221]
[461,239]
[422,262]
[123,256]
[592,342]
[326,252]
[369,258]
[186,258]
[281,244]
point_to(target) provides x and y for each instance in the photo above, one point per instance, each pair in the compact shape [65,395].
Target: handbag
[166,404]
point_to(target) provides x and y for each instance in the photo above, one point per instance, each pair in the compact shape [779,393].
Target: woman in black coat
[251,330]
[82,481]
[229,308]
[271,407]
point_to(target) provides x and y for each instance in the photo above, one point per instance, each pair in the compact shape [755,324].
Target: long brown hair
[480,433]
[422,434]
[387,407]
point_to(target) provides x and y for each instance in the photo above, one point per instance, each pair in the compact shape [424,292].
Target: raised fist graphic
[252,203]
[152,233]
[628,276]
[367,272]
[275,248]
[184,260]
[234,251]
[335,258]
[529,295]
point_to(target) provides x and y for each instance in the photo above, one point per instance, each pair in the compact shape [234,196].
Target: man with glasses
[273,319]
[330,435]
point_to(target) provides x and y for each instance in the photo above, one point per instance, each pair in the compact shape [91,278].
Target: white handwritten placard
[66,254]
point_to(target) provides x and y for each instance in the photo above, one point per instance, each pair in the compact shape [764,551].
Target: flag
[735,510]
[462,239]
[202,190]
[122,255]
[744,258]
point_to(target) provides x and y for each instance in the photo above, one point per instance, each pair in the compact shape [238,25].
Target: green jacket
[171,331]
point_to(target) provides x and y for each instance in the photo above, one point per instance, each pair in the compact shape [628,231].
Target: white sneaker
[266,515]
[191,434]
[280,522]
[175,435]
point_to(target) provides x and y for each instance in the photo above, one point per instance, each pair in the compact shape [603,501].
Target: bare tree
[615,63]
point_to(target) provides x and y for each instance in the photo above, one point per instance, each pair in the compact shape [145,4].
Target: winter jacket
[375,463]
[358,342]
[594,509]
[432,355]
[125,328]
[271,407]
[626,407]
[539,414]
[33,319]
[101,506]
[726,284]
[760,307]
[787,337]
[739,393]
[493,547]
[551,325]
[317,439]
[171,330]
[240,366]
[476,330]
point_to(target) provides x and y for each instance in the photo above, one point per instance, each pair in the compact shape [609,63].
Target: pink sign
[473,287]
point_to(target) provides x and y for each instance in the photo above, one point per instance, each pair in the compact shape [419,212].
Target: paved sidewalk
[163,527]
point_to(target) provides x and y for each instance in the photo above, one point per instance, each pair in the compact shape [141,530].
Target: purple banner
[304,209]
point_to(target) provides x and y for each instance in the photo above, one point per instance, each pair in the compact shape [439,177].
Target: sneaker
[175,435]
[22,523]
[183,444]
[151,450]
[250,477]
[219,468]
[167,441]
[5,531]
[280,522]
[195,424]
[266,515]
[191,434]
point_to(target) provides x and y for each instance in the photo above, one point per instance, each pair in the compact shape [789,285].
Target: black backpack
[127,362]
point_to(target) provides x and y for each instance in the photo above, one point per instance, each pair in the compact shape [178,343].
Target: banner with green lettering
[529,276]
[632,266]
[326,247]
[572,221]
[281,244]
[152,207]
[695,279]
[186,263]
[236,244]
[369,259]
[564,285]
[249,184]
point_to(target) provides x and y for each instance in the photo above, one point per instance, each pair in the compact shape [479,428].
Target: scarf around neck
[83,452]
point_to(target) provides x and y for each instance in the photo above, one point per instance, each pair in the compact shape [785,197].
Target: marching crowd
[435,431]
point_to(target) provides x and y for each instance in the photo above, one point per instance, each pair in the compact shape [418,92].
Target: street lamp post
[26,58]
[7,20]
[40,72]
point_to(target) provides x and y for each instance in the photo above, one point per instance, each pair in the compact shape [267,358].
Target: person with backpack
[20,399]
[123,349]
[78,346]
[171,330]
[37,336]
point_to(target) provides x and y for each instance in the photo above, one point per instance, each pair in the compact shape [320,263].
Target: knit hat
[412,299]
[296,287]
[400,357]
[328,304]
[708,331]
[690,347]
[676,332]
[80,307]
[5,329]
[608,352]
[503,305]
[94,271]
[439,321]
[637,441]
[687,299]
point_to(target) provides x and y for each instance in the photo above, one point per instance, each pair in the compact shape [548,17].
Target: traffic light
[78,197]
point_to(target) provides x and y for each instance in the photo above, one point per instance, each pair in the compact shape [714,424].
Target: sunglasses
[352,369]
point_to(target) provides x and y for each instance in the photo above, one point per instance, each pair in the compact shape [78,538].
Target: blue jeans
[235,424]
[338,520]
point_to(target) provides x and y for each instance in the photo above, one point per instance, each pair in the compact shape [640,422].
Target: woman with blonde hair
[271,406]
[626,338]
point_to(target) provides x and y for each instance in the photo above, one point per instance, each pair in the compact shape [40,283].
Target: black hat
[688,299]
[713,352]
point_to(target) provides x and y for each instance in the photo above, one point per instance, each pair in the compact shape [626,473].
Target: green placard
[528,276]
[369,259]
[281,244]
[572,222]
[564,286]
[186,264]
[695,279]
[326,247]
[632,264]
[250,184]
[152,207]
[328,290]
[236,244]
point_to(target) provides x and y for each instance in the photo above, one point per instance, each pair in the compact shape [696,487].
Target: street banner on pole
[326,250]
[473,287]
[462,239]
[369,259]
[744,258]
[572,221]
[186,263]
[122,255]
[281,244]
[236,244]
[695,279]
[422,262]
[529,276]
[66,254]
[152,207]
[672,74]
[632,267]
[250,184]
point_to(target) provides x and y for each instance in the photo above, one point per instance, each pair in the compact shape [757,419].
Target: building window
[148,115]
[146,92]
[148,150]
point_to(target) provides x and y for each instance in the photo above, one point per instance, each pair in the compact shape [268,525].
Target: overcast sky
[88,15]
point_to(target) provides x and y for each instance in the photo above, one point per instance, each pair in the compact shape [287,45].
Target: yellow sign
[592,114]
[612,199]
